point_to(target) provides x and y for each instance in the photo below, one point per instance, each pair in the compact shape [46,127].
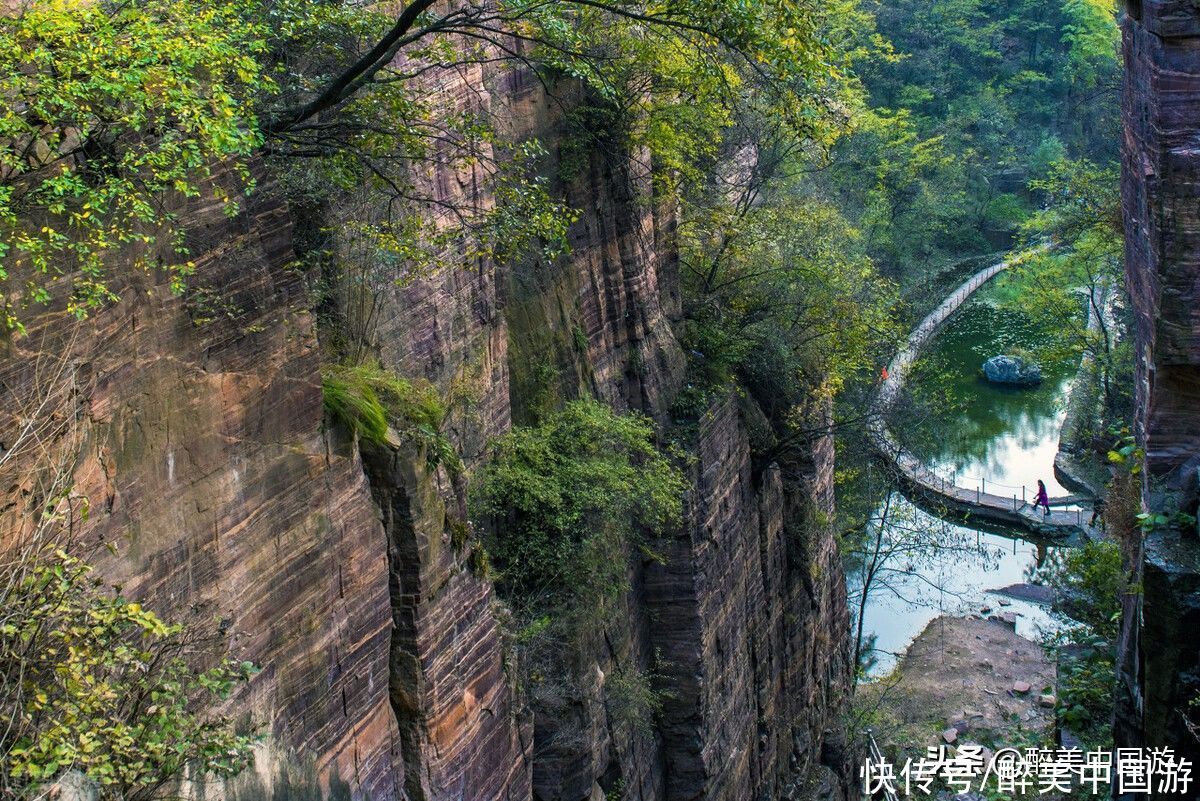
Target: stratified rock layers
[1160,658]
[746,622]
[200,447]
[385,672]
[749,615]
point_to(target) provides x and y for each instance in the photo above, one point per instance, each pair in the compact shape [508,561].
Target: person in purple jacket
[1042,498]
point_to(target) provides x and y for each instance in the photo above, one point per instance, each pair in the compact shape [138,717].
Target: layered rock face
[744,626]
[750,617]
[349,578]
[1160,658]
[200,448]
[464,731]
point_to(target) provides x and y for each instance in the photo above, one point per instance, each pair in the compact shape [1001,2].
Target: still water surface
[1006,437]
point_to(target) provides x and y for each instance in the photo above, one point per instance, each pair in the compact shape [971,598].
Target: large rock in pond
[1012,370]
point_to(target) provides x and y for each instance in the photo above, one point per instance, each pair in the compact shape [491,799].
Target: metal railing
[919,472]
[876,756]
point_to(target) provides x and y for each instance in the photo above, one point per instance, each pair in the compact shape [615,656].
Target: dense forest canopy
[983,98]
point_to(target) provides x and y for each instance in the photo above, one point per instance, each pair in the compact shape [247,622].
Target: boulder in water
[1012,370]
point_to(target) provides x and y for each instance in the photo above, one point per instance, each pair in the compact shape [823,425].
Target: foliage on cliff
[566,503]
[368,399]
[568,509]
[95,683]
[1090,581]
[116,114]
[781,298]
[109,111]
[683,77]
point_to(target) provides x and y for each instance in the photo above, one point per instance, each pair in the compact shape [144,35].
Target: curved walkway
[1012,508]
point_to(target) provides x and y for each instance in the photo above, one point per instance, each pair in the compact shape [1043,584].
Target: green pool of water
[983,434]
[978,434]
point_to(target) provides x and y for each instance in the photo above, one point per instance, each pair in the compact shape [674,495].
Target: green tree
[1090,582]
[112,110]
[890,558]
[1088,33]
[118,112]
[96,683]
[781,299]
[566,503]
[1081,266]
[965,114]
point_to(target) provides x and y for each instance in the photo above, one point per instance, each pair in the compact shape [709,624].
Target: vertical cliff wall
[1160,654]
[198,441]
[745,623]
[349,577]
[749,614]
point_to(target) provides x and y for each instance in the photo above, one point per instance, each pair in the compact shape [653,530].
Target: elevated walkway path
[993,502]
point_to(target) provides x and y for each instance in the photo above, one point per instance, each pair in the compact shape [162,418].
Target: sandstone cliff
[200,447]
[386,674]
[1160,655]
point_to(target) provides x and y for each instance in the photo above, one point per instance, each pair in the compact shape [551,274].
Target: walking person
[1097,513]
[1042,498]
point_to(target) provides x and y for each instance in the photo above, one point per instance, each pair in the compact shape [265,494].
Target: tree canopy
[111,110]
[118,112]
[980,99]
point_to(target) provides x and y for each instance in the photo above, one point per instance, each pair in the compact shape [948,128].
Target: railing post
[984,480]
[1022,494]
[1014,501]
[976,493]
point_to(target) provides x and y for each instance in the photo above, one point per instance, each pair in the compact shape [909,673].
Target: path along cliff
[969,501]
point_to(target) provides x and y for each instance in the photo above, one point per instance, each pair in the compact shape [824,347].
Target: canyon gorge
[191,434]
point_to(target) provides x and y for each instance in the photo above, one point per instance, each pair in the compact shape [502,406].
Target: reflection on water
[923,566]
[1005,435]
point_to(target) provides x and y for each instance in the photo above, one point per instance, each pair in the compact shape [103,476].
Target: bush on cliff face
[94,683]
[565,502]
[110,110]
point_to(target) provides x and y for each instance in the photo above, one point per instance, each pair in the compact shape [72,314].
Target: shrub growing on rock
[564,503]
[94,683]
